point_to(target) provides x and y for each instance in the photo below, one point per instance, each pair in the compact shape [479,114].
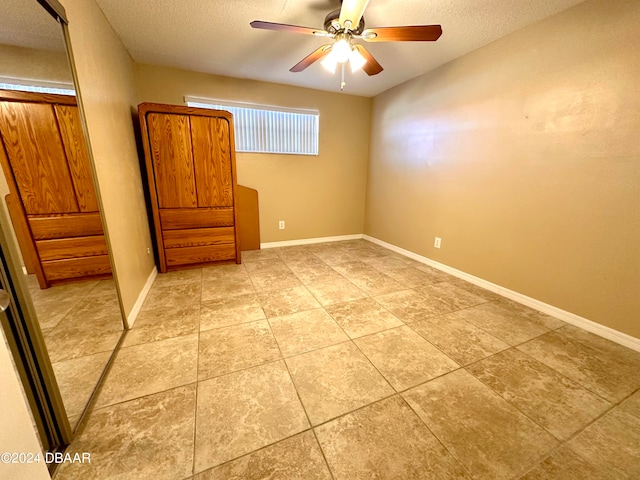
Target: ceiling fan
[346,25]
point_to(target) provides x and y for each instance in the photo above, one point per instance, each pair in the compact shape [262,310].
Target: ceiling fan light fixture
[341,50]
[356,60]
[329,63]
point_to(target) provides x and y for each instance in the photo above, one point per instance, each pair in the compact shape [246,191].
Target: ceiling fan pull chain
[342,84]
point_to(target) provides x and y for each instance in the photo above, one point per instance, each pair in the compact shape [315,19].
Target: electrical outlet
[281,224]
[437,242]
[148,251]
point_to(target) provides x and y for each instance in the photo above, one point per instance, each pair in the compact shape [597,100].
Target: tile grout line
[561,443]
[324,456]
[350,340]
[264,447]
[111,405]
[359,349]
[463,367]
[455,457]
[197,388]
[347,335]
[304,409]
[577,382]
[293,383]
[557,447]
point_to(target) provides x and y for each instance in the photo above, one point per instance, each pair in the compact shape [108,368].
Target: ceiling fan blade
[352,10]
[311,58]
[418,33]
[282,27]
[372,67]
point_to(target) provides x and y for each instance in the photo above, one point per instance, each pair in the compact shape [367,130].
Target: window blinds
[266,129]
[38,86]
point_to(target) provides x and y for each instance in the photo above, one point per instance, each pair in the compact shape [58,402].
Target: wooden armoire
[52,200]
[191,171]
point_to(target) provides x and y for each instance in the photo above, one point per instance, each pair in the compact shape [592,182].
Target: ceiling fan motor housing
[331,21]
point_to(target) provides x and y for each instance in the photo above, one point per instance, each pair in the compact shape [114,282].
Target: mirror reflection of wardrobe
[46,189]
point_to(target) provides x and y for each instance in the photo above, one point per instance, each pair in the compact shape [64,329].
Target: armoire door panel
[35,152]
[63,226]
[183,218]
[60,248]
[171,150]
[212,161]
[76,150]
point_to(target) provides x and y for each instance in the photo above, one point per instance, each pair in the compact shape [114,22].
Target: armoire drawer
[76,267]
[198,236]
[60,248]
[63,226]
[183,218]
[201,254]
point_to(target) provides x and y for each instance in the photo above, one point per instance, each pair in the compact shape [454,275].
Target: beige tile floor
[349,361]
[82,324]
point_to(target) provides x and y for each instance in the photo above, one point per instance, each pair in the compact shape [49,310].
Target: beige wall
[31,64]
[108,94]
[316,196]
[524,157]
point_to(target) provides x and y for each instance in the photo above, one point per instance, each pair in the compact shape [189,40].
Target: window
[36,86]
[267,129]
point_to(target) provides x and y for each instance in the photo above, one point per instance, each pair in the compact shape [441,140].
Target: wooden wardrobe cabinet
[191,170]
[52,199]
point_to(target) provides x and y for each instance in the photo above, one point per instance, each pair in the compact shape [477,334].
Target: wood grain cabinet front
[52,200]
[191,173]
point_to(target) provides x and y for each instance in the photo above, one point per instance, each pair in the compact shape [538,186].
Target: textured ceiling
[214,36]
[24,23]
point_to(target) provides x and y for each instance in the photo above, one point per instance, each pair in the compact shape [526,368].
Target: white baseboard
[584,323]
[133,314]
[309,241]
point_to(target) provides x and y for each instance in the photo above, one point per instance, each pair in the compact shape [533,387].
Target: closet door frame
[19,322]
[29,351]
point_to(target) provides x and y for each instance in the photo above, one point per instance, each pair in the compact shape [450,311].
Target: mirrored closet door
[49,198]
